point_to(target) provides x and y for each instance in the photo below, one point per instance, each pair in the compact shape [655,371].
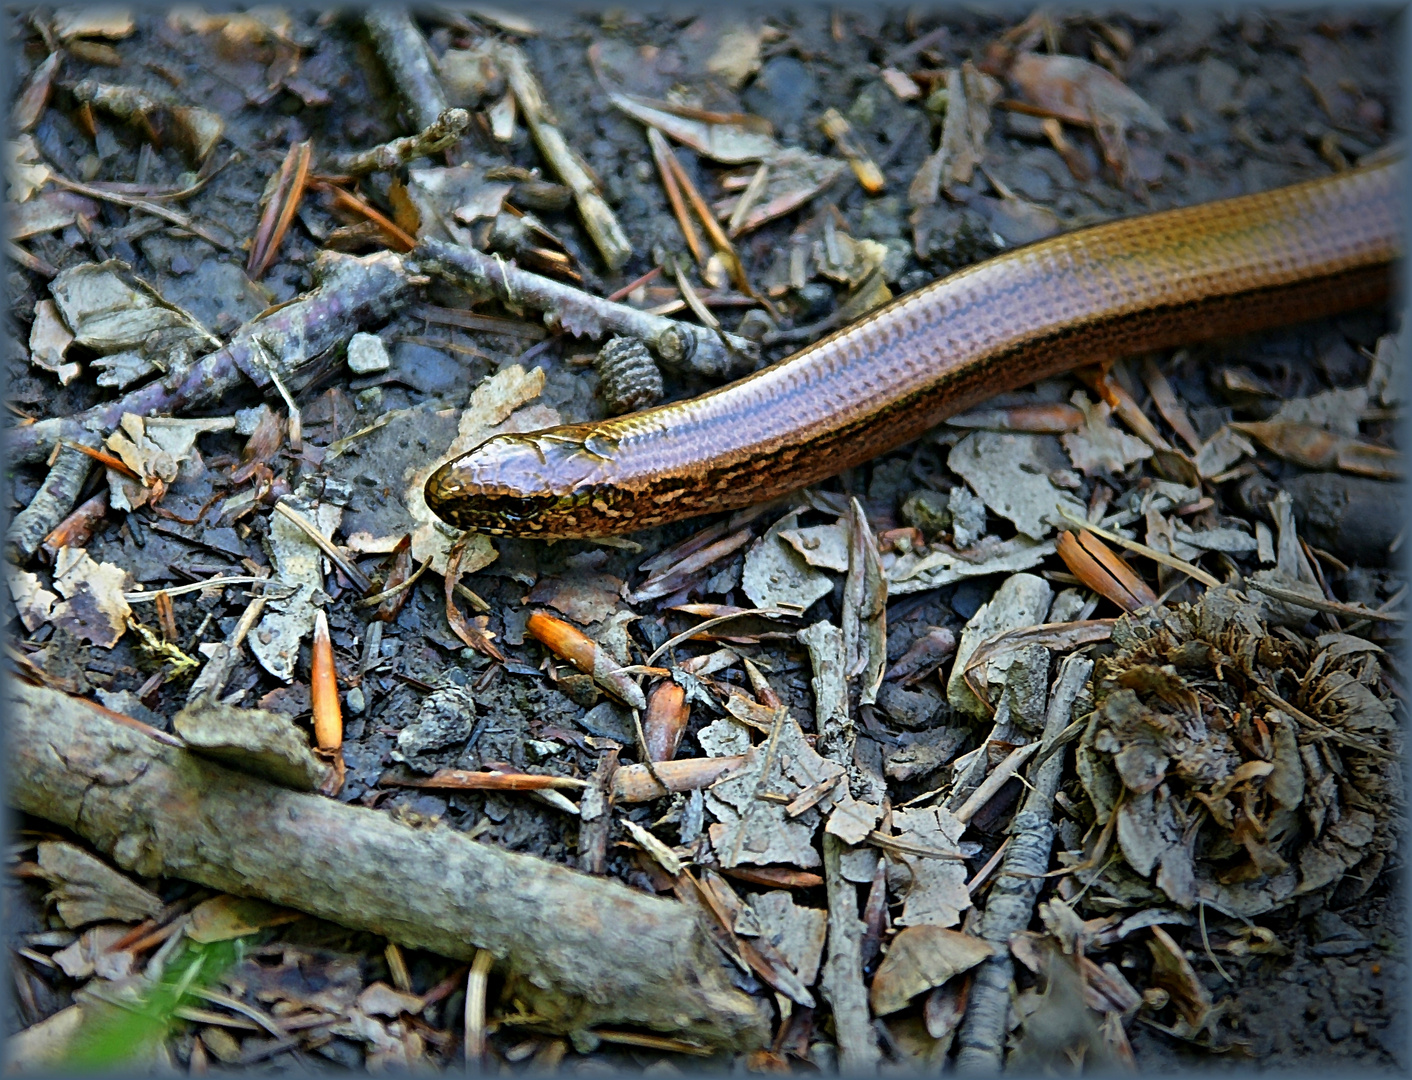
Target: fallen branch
[584,950]
[598,219]
[842,978]
[407,57]
[447,128]
[677,344]
[1012,898]
[353,293]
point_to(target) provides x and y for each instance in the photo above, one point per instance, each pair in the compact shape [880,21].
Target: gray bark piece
[1017,884]
[842,981]
[825,644]
[263,743]
[584,950]
[50,505]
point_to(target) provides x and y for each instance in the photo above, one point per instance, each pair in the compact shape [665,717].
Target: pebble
[369,400]
[367,355]
[783,91]
[1338,1028]
[1216,83]
[927,510]
[354,700]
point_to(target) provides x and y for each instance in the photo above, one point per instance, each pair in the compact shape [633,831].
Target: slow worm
[1171,278]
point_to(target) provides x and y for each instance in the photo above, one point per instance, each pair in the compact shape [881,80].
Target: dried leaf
[934,888]
[225,918]
[1099,447]
[920,958]
[94,607]
[754,830]
[1011,473]
[1078,91]
[87,890]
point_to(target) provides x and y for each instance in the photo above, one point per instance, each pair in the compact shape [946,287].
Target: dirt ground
[1251,100]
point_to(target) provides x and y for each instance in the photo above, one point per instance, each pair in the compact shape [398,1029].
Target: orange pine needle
[662,154]
[323,688]
[304,154]
[108,461]
[665,721]
[1095,564]
[398,238]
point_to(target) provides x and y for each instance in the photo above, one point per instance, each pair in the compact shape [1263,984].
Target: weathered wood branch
[587,950]
[1012,898]
[353,292]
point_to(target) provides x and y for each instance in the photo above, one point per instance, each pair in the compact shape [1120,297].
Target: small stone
[367,355]
[783,91]
[369,400]
[247,420]
[1338,1028]
[355,701]
[927,510]
[968,517]
[1215,84]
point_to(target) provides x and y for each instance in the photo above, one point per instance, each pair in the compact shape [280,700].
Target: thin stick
[1189,569]
[181,221]
[351,572]
[1333,607]
[449,126]
[678,344]
[476,983]
[995,781]
[209,583]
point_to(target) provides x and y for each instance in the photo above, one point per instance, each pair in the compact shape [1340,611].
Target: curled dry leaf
[85,889]
[1172,972]
[225,918]
[920,958]
[1316,448]
[665,720]
[1099,567]
[94,607]
[33,602]
[25,171]
[49,338]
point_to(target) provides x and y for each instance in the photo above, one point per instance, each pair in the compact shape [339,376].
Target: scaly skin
[1124,287]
